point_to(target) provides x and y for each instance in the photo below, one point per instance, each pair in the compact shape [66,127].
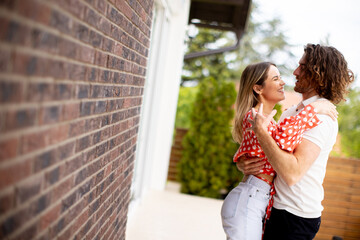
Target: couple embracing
[284,163]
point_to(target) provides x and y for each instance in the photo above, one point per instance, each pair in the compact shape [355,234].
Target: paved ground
[169,215]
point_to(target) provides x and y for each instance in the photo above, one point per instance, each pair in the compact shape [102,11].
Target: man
[296,214]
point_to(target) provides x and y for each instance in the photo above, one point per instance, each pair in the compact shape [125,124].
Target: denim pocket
[230,205]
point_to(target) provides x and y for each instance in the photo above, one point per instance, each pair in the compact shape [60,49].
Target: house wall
[72,76]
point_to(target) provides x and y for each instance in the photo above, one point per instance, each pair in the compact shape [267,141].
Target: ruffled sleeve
[289,132]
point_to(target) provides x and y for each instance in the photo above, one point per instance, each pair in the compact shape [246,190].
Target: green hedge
[206,168]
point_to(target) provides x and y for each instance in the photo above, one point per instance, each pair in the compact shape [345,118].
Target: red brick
[101,6]
[61,189]
[82,218]
[76,128]
[28,189]
[104,25]
[45,41]
[70,111]
[76,7]
[7,201]
[21,119]
[100,59]
[49,217]
[75,71]
[38,92]
[8,149]
[124,7]
[17,33]
[34,141]
[5,56]
[20,62]
[49,114]
[56,69]
[34,10]
[58,133]
[63,91]
[92,74]
[53,176]
[85,54]
[60,21]
[67,48]
[118,49]
[12,174]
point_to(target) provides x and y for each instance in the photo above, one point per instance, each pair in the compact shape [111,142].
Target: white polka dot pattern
[287,135]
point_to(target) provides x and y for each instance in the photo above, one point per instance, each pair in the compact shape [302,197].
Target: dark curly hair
[329,72]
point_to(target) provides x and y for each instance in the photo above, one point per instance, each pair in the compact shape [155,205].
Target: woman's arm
[325,107]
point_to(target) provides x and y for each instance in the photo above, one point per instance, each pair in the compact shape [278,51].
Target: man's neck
[308,95]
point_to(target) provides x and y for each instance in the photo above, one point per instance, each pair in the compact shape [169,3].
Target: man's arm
[250,166]
[291,167]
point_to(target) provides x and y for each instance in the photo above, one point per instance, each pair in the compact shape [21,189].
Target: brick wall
[72,74]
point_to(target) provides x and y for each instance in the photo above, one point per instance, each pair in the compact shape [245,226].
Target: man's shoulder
[291,111]
[327,121]
[325,133]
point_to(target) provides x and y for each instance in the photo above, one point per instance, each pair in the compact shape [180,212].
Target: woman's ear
[257,89]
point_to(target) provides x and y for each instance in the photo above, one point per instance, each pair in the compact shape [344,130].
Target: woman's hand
[260,122]
[325,107]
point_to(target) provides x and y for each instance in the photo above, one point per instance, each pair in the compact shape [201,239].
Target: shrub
[206,168]
[185,104]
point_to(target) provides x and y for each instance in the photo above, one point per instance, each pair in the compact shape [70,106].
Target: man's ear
[257,89]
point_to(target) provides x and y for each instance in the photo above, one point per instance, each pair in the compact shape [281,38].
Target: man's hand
[250,166]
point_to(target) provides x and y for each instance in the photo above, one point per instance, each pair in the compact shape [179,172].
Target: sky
[311,21]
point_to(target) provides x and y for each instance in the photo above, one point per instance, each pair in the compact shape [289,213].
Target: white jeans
[244,208]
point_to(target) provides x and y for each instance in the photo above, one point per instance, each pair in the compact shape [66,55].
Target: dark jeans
[283,225]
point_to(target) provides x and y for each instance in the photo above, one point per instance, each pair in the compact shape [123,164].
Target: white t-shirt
[304,198]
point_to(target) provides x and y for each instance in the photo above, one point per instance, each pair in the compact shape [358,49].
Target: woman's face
[273,89]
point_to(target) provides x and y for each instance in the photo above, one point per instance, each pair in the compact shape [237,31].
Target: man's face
[302,85]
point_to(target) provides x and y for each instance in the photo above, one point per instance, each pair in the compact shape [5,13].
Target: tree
[197,69]
[205,168]
[349,124]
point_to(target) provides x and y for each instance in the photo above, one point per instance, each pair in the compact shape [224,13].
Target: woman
[247,205]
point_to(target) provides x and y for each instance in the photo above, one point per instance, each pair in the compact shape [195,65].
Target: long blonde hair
[247,98]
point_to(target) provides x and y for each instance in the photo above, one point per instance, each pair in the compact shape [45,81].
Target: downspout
[213,51]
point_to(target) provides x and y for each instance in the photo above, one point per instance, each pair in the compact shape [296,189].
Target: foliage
[185,105]
[206,167]
[349,124]
[197,69]
[264,41]
[278,112]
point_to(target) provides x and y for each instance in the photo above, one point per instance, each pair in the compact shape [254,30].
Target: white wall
[160,96]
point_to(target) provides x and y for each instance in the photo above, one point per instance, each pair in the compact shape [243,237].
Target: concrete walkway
[170,215]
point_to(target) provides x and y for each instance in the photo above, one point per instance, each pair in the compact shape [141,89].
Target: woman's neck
[267,107]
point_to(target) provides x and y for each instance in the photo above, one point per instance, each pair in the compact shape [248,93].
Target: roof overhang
[226,15]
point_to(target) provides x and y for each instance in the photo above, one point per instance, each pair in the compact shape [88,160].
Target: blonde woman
[249,204]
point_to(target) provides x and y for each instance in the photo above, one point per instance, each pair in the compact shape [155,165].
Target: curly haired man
[322,74]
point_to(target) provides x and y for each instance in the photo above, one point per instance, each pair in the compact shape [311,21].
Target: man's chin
[298,89]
